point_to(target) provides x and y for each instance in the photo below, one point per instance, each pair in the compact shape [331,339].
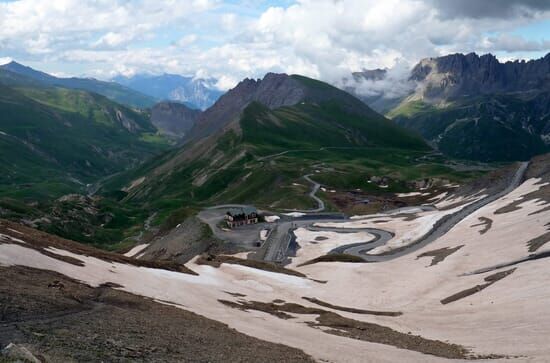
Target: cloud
[5,60]
[229,21]
[113,40]
[513,43]
[231,40]
[186,40]
[393,84]
[490,9]
[23,20]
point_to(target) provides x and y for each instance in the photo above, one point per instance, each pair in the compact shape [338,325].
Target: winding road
[276,247]
[314,189]
[439,229]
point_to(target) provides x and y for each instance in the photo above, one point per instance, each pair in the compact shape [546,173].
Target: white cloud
[513,43]
[5,60]
[113,40]
[325,39]
[229,21]
[23,19]
[187,40]
[394,84]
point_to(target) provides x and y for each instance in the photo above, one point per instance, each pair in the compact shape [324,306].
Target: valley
[320,306]
[285,220]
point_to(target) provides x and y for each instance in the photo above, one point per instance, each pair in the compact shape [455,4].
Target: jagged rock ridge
[459,75]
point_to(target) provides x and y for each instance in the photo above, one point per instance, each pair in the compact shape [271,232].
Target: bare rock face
[459,75]
[278,90]
[18,353]
[174,119]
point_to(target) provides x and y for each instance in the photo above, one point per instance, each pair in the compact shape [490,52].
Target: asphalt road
[441,227]
[276,248]
[314,189]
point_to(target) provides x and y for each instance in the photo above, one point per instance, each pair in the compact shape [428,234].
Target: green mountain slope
[320,125]
[66,138]
[477,108]
[255,146]
[502,127]
[111,90]
[261,155]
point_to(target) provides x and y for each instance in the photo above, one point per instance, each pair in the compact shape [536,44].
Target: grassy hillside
[53,140]
[262,160]
[488,128]
[321,125]
[59,140]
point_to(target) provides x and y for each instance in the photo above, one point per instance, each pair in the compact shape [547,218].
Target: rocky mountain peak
[13,65]
[273,91]
[458,75]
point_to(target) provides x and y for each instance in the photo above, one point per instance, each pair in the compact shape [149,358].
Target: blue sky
[538,31]
[233,39]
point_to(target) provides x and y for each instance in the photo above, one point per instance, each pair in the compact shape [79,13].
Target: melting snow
[137,249]
[295,214]
[271,219]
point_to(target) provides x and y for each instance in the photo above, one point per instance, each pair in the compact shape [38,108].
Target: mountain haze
[195,93]
[111,90]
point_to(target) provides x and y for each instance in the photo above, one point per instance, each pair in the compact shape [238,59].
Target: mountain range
[474,107]
[465,106]
[225,154]
[59,140]
[111,90]
[55,140]
[195,93]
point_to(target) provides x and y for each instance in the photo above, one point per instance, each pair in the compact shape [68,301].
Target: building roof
[247,210]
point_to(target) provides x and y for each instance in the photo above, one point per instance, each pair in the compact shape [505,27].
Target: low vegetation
[43,241]
[217,260]
[440,254]
[334,257]
[332,323]
[489,280]
[536,243]
[352,310]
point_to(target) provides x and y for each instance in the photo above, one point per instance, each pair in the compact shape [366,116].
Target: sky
[232,39]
